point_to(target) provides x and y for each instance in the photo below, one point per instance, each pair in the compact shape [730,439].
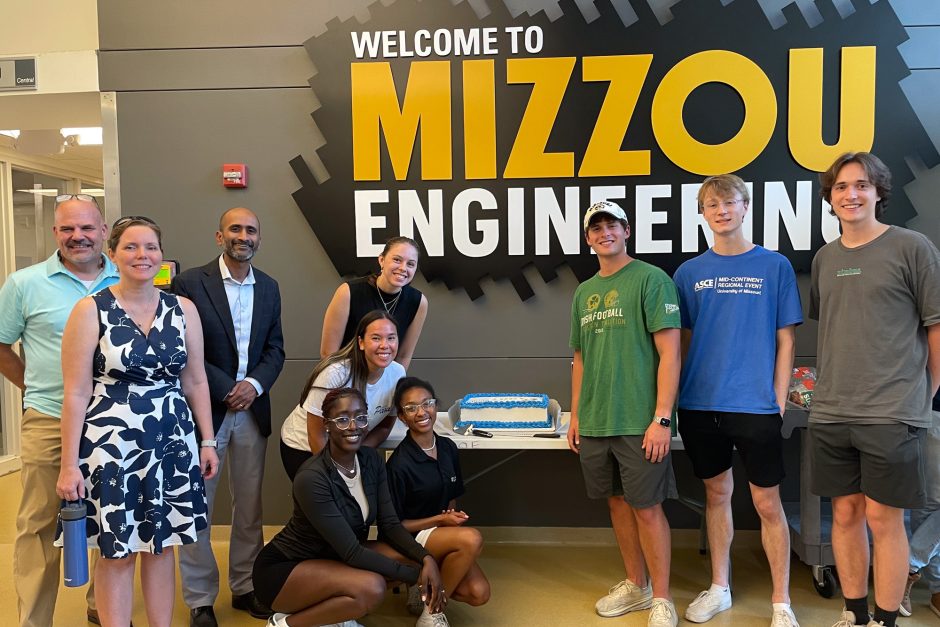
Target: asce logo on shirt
[704,284]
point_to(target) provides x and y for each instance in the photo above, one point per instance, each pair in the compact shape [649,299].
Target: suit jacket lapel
[216,290]
[257,311]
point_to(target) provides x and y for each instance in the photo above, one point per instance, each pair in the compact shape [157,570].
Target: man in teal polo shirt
[34,305]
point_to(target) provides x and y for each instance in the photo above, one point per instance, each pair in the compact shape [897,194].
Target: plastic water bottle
[74,544]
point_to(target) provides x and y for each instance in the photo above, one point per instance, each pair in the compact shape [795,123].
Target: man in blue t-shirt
[739,305]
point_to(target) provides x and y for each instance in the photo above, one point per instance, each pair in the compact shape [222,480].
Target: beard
[239,255]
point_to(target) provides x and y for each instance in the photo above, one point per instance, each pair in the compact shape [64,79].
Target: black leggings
[293,459]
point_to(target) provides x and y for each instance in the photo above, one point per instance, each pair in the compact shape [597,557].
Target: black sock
[859,607]
[885,617]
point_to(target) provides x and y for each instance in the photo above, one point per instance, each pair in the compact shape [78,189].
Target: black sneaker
[248,602]
[202,617]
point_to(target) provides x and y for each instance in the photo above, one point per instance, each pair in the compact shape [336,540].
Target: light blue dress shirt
[241,304]
[35,304]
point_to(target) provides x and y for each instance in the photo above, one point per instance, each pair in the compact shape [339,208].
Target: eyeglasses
[727,204]
[343,421]
[412,408]
[127,219]
[61,198]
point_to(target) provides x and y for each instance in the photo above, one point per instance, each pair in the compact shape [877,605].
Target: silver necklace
[430,448]
[349,471]
[390,305]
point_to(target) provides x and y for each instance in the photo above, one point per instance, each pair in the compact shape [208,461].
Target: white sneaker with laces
[846,620]
[663,614]
[784,618]
[278,619]
[624,597]
[432,620]
[707,604]
[414,605]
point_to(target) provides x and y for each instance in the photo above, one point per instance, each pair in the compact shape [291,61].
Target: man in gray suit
[240,309]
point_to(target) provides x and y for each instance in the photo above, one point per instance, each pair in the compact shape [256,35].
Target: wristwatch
[209,443]
[665,421]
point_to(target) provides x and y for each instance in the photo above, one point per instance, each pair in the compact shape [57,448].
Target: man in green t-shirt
[625,335]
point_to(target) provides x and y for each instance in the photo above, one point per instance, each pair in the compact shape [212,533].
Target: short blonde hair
[723,185]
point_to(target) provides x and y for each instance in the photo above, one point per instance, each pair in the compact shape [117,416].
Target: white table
[517,444]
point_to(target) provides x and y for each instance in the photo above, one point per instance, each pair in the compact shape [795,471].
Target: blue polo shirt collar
[55,266]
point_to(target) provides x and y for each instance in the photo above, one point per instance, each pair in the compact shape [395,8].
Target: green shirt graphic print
[612,322]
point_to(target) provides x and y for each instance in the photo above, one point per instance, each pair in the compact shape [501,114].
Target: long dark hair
[358,374]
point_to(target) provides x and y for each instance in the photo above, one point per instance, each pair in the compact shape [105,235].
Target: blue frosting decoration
[473,401]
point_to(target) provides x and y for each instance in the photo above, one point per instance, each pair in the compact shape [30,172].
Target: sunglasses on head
[82,197]
[127,219]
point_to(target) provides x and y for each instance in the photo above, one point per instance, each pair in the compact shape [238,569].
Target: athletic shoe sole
[642,604]
[705,619]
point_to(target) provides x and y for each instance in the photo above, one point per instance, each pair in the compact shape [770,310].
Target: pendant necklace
[430,448]
[388,305]
[351,472]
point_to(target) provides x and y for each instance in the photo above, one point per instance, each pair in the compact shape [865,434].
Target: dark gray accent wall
[204,83]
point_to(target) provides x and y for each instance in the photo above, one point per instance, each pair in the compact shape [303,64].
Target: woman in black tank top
[389,290]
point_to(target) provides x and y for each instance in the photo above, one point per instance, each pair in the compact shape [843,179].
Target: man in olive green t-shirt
[625,335]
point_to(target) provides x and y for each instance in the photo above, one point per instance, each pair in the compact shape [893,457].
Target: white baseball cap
[604,206]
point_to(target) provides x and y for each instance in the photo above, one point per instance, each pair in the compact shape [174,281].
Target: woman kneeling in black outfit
[425,481]
[320,569]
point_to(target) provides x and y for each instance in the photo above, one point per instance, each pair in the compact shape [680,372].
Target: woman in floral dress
[133,367]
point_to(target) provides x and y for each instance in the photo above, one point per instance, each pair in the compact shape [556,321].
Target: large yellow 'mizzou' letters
[549,77]
[427,102]
[375,106]
[711,66]
[479,119]
[856,106]
[603,156]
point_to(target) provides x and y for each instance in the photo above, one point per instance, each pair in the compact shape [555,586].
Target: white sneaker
[784,618]
[278,619]
[414,605]
[847,619]
[663,614]
[625,597]
[707,604]
[428,619]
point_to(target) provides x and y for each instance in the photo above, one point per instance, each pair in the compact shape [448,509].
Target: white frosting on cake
[505,411]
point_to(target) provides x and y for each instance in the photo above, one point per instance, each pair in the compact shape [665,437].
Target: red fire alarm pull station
[235,175]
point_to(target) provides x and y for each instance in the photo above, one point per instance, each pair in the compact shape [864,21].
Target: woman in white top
[366,363]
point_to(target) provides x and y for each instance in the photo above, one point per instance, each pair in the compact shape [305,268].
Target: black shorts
[293,459]
[710,437]
[271,570]
[885,462]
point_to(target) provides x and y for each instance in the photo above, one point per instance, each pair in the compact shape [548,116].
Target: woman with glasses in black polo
[321,569]
[425,481]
